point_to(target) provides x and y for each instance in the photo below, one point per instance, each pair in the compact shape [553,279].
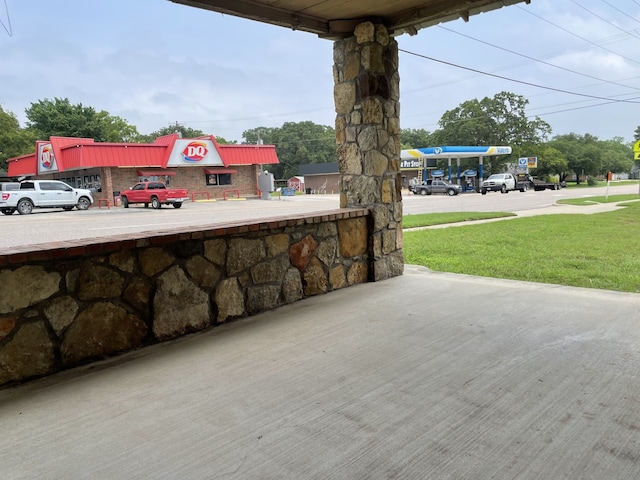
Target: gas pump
[469,180]
[437,175]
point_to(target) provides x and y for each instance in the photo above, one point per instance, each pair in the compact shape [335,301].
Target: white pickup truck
[44,194]
[503,183]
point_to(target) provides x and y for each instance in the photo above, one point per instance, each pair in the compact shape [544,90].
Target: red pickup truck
[154,193]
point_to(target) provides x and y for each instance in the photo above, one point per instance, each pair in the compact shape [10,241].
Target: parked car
[436,186]
[154,193]
[43,194]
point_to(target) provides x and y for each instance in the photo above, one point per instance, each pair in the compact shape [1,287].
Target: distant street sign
[636,156]
[636,148]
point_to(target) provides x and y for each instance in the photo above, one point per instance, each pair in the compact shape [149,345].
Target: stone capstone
[30,353]
[26,286]
[179,306]
[101,329]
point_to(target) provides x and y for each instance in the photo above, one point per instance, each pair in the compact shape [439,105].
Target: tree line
[500,120]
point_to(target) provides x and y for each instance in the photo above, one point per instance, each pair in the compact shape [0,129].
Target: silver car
[437,186]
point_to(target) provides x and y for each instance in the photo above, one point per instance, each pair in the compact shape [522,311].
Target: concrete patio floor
[424,376]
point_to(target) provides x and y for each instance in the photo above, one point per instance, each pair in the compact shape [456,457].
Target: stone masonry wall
[367,103]
[76,301]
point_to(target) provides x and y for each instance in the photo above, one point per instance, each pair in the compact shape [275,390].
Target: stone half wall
[75,302]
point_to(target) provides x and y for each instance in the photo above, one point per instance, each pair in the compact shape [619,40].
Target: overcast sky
[153,62]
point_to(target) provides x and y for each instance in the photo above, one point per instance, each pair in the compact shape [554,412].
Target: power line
[603,19]
[536,59]
[513,80]
[576,35]
[622,12]
[9,30]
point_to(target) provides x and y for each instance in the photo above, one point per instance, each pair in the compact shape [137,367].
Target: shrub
[592,181]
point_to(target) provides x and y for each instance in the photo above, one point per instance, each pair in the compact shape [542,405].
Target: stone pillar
[367,102]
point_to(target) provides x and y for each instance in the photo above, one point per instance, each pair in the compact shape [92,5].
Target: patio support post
[367,103]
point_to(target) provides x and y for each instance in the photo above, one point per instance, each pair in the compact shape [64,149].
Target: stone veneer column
[367,102]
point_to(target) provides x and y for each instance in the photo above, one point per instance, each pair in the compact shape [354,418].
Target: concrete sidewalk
[555,209]
[427,375]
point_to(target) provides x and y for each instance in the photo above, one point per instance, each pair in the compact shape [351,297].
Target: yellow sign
[636,148]
[636,156]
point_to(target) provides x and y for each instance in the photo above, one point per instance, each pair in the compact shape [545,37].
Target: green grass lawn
[596,251]
[600,199]
[430,219]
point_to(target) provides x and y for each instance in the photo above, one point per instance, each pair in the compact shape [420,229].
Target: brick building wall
[191,178]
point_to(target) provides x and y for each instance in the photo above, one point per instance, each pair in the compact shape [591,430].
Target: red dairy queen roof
[78,153]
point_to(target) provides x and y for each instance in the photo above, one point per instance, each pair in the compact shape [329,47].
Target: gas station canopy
[421,155]
[453,152]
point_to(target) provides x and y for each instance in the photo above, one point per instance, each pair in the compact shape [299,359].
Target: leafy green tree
[550,160]
[184,131]
[501,120]
[116,129]
[224,141]
[415,138]
[617,156]
[582,152]
[297,143]
[14,140]
[59,117]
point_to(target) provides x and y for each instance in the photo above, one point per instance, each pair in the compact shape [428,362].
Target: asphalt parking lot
[44,226]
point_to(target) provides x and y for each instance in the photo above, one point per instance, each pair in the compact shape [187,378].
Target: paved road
[56,225]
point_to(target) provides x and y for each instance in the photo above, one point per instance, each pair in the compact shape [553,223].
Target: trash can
[308,190]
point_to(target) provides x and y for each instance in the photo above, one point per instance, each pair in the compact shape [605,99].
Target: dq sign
[195,151]
[47,156]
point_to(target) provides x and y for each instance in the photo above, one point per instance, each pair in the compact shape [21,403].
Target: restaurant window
[166,179]
[214,179]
